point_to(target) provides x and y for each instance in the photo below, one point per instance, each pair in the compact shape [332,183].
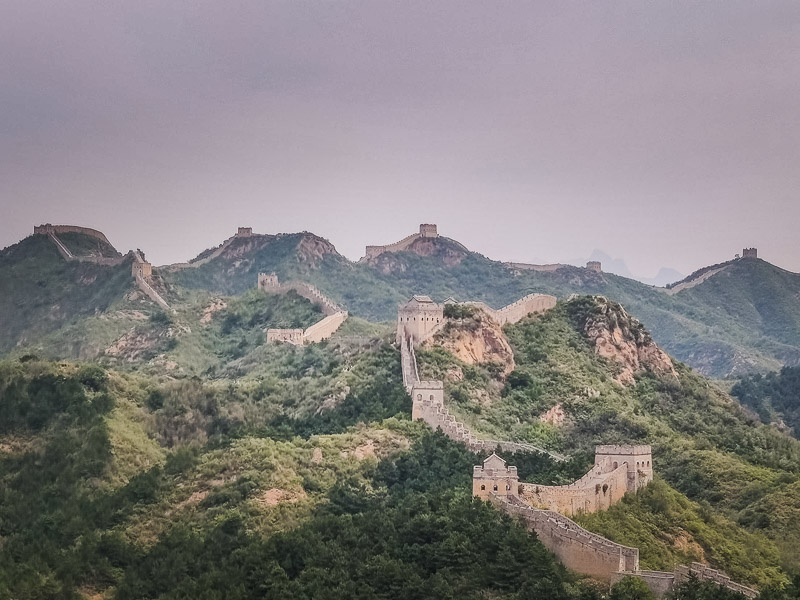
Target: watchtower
[428,230]
[595,265]
[244,232]
[141,269]
[638,458]
[750,253]
[426,396]
[268,283]
[493,476]
[418,316]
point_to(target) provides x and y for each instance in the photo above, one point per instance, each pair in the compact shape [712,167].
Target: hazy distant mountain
[619,267]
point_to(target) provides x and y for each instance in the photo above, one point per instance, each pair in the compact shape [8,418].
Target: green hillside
[296,471]
[41,293]
[705,445]
[775,397]
[743,319]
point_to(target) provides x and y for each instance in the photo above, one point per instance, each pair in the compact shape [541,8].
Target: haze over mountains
[743,317]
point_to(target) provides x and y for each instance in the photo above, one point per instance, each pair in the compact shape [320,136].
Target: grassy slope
[705,445]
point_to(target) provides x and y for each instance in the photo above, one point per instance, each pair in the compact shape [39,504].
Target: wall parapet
[579,549]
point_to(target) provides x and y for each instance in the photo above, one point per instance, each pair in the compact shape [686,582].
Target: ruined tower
[750,253]
[268,283]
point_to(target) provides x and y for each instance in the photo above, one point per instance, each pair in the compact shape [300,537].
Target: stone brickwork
[291,336]
[551,268]
[321,330]
[579,549]
[244,232]
[617,471]
[750,253]
[426,230]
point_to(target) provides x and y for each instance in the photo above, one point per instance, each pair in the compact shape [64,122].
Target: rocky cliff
[621,338]
[476,340]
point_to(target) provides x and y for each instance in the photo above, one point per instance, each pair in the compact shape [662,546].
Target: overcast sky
[666,133]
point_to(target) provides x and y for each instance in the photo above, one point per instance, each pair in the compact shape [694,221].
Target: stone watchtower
[268,282]
[141,269]
[428,230]
[493,476]
[595,265]
[750,253]
[244,232]
[417,317]
[638,458]
[425,397]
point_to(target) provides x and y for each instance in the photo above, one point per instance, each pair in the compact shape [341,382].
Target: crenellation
[750,253]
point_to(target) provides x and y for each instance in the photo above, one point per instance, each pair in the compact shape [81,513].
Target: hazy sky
[667,133]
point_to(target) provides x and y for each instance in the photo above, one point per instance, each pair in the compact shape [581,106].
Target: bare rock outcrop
[477,340]
[619,337]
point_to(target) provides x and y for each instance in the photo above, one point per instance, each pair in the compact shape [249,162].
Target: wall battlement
[321,330]
[595,265]
[750,253]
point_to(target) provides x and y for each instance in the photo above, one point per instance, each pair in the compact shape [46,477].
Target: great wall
[323,329]
[420,319]
[618,470]
[426,230]
[141,270]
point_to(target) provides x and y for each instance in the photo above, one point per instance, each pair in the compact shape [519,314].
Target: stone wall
[597,490]
[541,268]
[428,397]
[291,336]
[706,573]
[595,265]
[659,582]
[750,253]
[321,330]
[325,328]
[425,230]
[516,311]
[56,229]
[419,319]
[579,549]
[244,232]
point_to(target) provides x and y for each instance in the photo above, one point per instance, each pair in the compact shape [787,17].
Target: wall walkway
[321,330]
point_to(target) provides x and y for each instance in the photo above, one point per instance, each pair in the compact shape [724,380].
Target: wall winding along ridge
[419,320]
[577,548]
[321,330]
